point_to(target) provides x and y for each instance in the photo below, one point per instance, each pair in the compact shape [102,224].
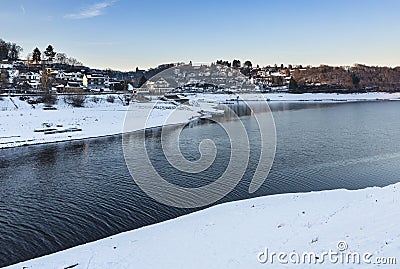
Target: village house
[6,64]
[70,76]
[161,85]
[12,75]
[32,78]
[95,81]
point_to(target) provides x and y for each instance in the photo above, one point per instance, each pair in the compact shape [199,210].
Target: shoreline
[91,137]
[224,231]
[25,126]
[105,119]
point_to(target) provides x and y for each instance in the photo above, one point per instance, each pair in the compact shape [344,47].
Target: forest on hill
[358,78]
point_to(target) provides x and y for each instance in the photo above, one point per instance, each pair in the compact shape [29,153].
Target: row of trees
[12,51]
[9,51]
[51,56]
[235,64]
[48,54]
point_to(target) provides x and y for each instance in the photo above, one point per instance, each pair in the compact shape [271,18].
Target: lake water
[57,196]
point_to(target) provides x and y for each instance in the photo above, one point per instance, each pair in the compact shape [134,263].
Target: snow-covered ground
[234,235]
[24,124]
[19,120]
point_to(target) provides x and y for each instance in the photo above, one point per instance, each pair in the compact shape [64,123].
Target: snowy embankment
[25,124]
[232,235]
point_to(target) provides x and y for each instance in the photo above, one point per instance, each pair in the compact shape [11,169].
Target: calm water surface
[56,196]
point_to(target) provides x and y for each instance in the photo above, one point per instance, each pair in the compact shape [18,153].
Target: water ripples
[61,195]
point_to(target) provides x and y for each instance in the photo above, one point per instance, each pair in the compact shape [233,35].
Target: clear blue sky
[123,34]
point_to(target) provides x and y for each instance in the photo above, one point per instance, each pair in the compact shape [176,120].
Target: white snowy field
[19,120]
[233,235]
[24,124]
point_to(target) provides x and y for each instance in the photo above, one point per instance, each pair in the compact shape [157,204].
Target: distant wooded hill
[346,79]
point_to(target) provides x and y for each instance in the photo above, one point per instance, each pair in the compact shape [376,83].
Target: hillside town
[54,72]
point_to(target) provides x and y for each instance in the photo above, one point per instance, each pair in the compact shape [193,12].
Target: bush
[110,98]
[95,99]
[47,99]
[75,100]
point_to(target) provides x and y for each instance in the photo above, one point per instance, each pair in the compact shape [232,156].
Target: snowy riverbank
[25,124]
[232,235]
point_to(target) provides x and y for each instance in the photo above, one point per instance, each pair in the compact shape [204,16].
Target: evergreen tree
[248,64]
[36,55]
[236,64]
[50,53]
[222,62]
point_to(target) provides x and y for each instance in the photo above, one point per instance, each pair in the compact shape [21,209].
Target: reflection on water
[60,195]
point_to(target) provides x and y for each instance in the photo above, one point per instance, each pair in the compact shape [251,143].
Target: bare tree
[75,100]
[61,58]
[46,81]
[74,62]
[14,51]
